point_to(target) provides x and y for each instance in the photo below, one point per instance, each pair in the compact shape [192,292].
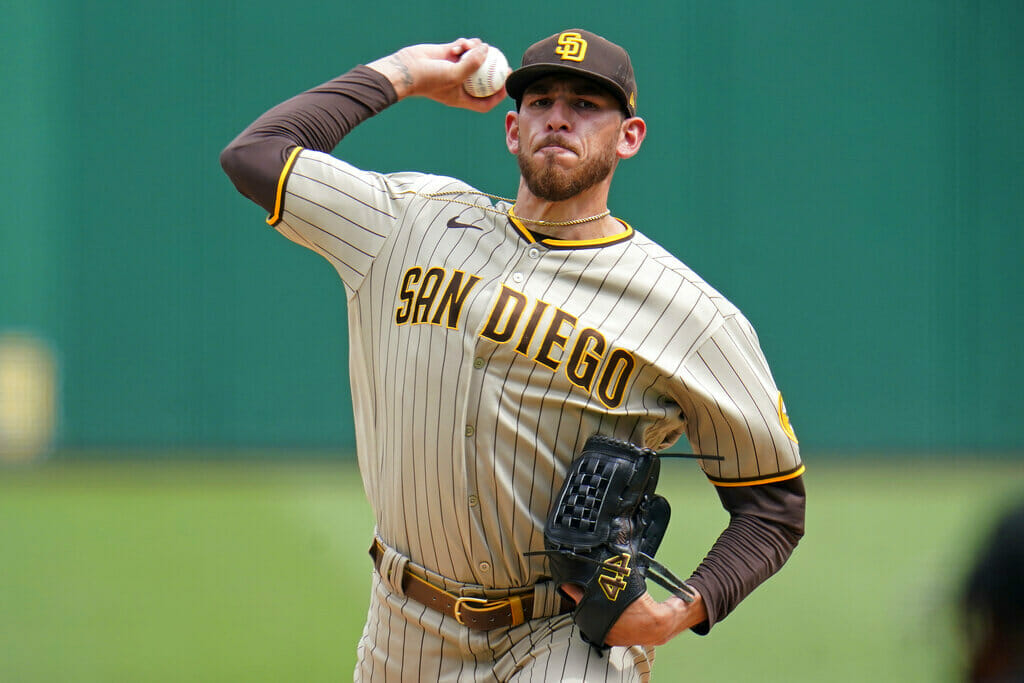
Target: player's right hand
[437,72]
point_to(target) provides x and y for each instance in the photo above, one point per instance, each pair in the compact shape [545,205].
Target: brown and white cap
[581,53]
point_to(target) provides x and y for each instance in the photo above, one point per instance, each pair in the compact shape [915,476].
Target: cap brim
[520,79]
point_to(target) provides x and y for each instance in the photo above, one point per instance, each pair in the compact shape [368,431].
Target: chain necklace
[558,224]
[445,196]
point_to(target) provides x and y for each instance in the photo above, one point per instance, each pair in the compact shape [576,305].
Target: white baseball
[491,75]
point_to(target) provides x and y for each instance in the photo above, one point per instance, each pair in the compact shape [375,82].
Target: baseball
[491,75]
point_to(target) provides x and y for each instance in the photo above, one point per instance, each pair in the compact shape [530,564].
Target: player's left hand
[648,622]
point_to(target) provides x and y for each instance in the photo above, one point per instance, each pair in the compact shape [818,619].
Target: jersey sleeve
[341,212]
[733,409]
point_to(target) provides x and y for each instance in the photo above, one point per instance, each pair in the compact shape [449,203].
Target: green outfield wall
[850,174]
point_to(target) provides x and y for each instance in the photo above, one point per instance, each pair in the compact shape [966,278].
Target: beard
[549,181]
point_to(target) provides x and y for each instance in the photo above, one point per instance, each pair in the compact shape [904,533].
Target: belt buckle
[459,602]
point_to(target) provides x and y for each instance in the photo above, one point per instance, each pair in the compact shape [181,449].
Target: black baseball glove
[603,530]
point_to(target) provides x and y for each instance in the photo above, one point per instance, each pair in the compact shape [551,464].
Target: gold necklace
[557,224]
[510,213]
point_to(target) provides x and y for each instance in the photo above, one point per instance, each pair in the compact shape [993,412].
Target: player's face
[566,133]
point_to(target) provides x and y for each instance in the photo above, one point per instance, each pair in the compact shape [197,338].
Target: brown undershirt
[766,521]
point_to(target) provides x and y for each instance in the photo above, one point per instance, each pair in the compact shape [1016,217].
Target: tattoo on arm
[403,70]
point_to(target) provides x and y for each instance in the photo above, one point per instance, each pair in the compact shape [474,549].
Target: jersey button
[485,566]
[517,277]
[469,430]
[473,500]
[478,363]
[534,252]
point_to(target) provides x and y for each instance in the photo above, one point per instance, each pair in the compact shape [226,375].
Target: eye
[586,104]
[539,102]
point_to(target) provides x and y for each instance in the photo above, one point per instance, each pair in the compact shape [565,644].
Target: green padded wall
[849,173]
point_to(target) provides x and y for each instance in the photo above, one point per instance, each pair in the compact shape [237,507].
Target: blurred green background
[145,571]
[849,173]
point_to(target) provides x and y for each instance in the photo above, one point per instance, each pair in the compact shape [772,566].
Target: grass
[255,571]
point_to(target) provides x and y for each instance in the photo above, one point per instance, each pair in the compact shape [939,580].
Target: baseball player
[491,337]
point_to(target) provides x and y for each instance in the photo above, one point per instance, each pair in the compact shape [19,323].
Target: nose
[558,116]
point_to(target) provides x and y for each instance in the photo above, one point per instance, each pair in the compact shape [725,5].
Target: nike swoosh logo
[452,223]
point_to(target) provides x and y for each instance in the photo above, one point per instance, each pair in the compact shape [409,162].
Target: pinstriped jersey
[483,356]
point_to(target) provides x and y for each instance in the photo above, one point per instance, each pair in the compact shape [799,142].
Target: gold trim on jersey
[784,476]
[570,244]
[273,218]
[518,225]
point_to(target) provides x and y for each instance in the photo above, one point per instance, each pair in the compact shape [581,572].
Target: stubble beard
[550,182]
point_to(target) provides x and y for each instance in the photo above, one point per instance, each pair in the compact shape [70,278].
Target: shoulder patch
[784,421]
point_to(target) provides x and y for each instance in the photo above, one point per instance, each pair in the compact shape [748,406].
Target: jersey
[482,357]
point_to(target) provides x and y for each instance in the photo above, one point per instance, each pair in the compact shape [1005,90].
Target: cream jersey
[483,357]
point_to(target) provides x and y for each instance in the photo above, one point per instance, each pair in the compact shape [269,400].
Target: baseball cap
[581,53]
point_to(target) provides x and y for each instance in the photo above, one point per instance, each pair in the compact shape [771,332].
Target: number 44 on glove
[603,530]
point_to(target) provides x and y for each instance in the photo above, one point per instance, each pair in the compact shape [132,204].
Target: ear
[631,136]
[512,132]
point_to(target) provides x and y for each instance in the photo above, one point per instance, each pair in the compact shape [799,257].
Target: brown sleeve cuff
[317,119]
[766,523]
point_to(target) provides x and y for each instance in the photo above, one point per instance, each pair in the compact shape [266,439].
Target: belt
[479,614]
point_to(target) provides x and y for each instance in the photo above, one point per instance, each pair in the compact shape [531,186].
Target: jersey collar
[553,243]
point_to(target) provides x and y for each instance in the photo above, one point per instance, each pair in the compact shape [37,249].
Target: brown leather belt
[476,613]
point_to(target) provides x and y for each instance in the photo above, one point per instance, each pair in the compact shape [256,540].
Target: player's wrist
[692,613]
[396,69]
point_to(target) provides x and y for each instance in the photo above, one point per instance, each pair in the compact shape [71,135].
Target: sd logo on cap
[571,45]
[580,53]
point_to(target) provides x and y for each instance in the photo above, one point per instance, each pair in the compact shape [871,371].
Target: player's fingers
[471,60]
[461,46]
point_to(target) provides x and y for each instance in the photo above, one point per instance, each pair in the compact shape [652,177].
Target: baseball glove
[603,530]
